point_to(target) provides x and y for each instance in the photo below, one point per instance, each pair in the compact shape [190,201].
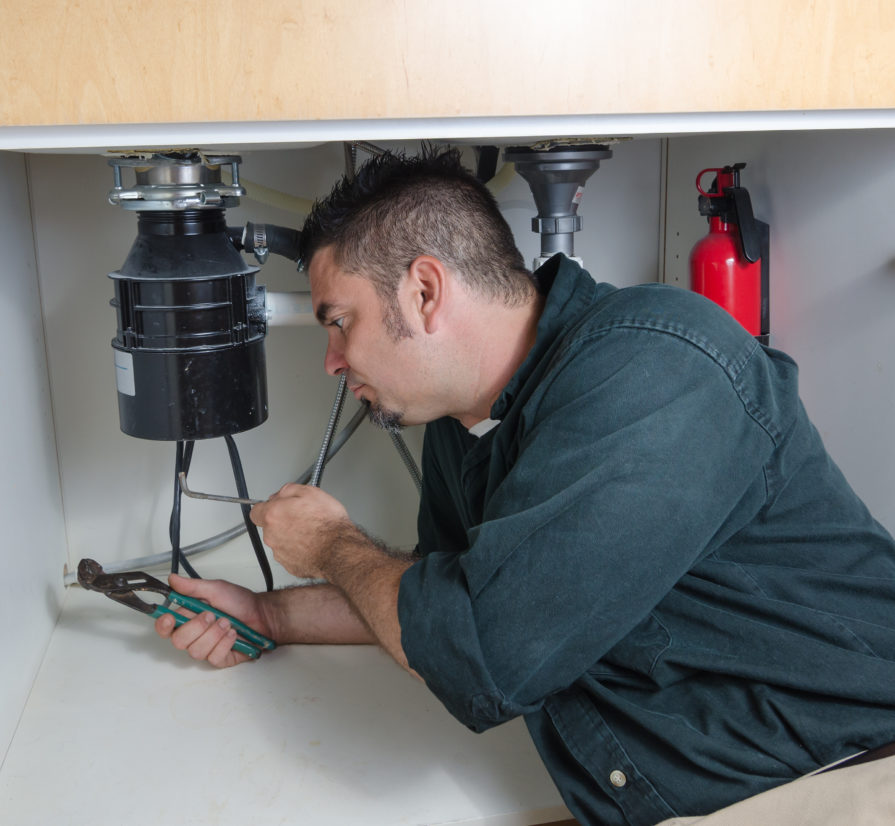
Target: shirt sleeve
[638,456]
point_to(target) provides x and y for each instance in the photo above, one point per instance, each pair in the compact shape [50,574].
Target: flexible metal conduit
[330,429]
[409,463]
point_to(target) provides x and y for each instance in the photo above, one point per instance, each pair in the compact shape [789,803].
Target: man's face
[368,340]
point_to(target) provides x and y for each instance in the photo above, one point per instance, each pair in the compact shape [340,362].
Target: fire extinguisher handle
[750,236]
[712,193]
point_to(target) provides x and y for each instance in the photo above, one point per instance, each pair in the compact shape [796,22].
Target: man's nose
[334,361]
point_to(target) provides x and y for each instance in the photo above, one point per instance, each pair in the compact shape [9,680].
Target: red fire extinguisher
[730,265]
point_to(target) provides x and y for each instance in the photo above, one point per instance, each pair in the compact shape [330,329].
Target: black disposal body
[189,350]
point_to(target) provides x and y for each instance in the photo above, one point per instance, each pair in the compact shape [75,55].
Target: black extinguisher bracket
[755,240]
[765,235]
[744,218]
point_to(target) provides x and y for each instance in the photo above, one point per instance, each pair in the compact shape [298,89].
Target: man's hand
[311,535]
[205,637]
[300,525]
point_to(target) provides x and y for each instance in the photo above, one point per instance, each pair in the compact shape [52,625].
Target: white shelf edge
[288,134]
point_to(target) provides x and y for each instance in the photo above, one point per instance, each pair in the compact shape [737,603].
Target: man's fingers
[189,636]
[200,588]
[222,655]
[205,637]
[178,582]
[256,514]
[165,625]
[217,630]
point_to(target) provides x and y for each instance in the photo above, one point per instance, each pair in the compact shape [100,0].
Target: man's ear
[429,282]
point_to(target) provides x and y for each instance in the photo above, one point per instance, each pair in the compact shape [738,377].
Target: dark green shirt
[654,560]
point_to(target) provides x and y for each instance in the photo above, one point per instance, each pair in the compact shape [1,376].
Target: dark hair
[397,208]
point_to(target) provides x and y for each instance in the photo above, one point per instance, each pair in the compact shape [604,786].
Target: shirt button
[617,778]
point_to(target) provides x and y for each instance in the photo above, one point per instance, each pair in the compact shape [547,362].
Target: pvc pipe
[293,309]
[261,194]
[504,175]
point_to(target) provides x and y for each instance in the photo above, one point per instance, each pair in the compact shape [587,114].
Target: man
[629,531]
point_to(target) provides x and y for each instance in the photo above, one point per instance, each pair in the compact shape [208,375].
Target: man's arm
[368,575]
[311,536]
[303,614]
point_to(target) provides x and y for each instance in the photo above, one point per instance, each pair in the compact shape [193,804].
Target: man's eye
[338,322]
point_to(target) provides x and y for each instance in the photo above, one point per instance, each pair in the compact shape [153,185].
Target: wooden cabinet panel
[179,61]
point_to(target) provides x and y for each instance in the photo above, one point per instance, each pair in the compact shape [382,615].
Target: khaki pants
[862,795]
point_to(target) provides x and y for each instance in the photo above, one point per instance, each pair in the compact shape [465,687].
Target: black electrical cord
[187,459]
[174,521]
[251,528]
[182,459]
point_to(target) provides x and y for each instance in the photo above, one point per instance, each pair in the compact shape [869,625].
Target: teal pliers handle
[248,640]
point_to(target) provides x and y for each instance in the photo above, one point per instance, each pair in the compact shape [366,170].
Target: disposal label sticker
[124,373]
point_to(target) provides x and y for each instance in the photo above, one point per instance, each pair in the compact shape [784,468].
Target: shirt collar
[479,429]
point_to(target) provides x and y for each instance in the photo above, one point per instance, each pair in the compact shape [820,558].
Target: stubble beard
[388,420]
[397,328]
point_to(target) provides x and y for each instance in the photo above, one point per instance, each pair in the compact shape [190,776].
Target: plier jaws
[122,587]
